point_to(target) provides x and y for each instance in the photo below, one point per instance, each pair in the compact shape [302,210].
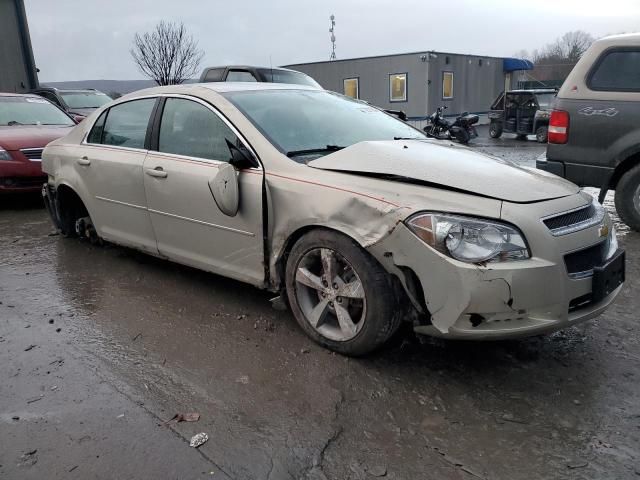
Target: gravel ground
[100,345]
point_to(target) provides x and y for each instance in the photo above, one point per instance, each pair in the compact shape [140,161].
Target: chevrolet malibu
[353,217]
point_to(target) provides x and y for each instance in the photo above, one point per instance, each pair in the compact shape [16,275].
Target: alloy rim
[330,294]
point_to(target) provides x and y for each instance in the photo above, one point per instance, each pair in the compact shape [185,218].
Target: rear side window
[126,124]
[240,76]
[213,75]
[95,135]
[617,71]
[191,129]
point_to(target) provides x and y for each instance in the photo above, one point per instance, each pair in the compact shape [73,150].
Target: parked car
[78,102]
[355,217]
[27,124]
[244,73]
[594,136]
[523,112]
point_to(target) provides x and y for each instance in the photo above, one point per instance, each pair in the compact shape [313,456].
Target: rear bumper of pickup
[578,173]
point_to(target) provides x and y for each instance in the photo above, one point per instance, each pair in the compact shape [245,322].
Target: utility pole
[332,18]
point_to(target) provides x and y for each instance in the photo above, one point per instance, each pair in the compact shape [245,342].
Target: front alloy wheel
[330,294]
[339,294]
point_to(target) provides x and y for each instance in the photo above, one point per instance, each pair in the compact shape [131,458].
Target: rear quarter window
[616,71]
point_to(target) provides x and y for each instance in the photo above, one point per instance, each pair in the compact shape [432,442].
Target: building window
[447,85]
[398,87]
[351,87]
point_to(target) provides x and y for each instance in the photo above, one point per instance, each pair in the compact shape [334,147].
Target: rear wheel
[495,130]
[627,198]
[462,136]
[541,134]
[340,296]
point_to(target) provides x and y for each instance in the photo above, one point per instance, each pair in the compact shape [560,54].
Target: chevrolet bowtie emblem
[604,231]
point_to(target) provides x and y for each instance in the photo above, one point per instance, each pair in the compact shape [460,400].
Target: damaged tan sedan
[354,217]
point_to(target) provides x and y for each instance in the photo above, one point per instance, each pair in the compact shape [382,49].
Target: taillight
[559,126]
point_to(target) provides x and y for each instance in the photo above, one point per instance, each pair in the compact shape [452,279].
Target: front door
[110,163]
[190,227]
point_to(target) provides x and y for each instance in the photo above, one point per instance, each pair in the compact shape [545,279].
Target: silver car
[355,218]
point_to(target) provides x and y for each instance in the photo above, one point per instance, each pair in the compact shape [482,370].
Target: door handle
[157,172]
[84,161]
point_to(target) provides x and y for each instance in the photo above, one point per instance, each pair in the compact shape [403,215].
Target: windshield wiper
[409,138]
[14,122]
[327,149]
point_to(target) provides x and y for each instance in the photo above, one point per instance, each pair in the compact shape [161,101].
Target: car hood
[443,165]
[30,136]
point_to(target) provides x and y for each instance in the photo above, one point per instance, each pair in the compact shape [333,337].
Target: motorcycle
[461,130]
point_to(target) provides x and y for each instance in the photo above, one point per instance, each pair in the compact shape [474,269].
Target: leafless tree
[168,55]
[568,48]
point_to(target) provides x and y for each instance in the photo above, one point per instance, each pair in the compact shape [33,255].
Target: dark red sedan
[27,124]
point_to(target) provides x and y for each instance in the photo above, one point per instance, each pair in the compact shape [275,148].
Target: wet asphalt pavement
[100,345]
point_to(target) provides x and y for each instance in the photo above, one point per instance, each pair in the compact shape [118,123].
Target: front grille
[34,154]
[581,263]
[574,220]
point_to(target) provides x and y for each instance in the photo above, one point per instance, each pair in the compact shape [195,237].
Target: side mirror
[240,158]
[77,118]
[225,189]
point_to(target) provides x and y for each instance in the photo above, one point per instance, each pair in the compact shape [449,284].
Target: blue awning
[513,64]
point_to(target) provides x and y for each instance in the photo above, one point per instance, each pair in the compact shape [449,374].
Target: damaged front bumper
[492,301]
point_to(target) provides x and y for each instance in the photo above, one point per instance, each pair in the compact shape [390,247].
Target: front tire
[340,296]
[495,130]
[627,198]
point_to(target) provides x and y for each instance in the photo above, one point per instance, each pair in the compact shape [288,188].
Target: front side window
[85,99]
[126,123]
[240,76]
[302,120]
[447,85]
[617,71]
[95,135]
[351,87]
[398,87]
[30,111]
[191,129]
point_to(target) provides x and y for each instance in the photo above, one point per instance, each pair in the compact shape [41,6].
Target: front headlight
[4,155]
[469,239]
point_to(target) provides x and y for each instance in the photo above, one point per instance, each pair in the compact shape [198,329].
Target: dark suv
[77,103]
[245,73]
[594,129]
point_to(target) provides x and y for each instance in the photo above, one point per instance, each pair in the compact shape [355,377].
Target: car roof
[9,94]
[218,87]
[621,40]
[246,67]
[70,90]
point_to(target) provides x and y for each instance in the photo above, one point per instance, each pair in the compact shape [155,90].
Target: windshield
[545,99]
[30,111]
[305,120]
[85,99]
[286,76]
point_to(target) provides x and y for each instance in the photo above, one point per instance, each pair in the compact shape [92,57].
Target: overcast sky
[90,39]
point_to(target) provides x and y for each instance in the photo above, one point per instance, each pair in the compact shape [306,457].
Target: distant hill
[106,86]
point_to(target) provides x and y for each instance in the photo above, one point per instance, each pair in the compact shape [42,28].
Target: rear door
[190,142]
[110,163]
